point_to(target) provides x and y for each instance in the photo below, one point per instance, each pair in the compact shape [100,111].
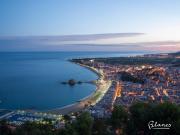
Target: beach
[102,87]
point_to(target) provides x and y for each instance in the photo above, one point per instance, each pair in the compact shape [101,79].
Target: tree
[119,118]
[167,113]
[32,128]
[139,118]
[99,127]
[142,113]
[84,123]
[69,130]
[4,130]
[67,117]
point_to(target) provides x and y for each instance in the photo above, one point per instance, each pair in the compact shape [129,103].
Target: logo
[156,125]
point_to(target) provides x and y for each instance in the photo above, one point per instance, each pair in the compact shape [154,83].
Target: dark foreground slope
[134,120]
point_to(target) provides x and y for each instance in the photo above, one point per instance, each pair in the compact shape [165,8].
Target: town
[154,80]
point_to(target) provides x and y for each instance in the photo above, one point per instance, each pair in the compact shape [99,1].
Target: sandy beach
[101,88]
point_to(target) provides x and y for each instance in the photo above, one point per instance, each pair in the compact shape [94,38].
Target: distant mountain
[175,54]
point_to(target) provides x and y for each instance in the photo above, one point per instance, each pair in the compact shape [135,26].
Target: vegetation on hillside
[124,121]
[125,76]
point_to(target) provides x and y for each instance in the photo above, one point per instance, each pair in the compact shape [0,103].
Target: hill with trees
[124,121]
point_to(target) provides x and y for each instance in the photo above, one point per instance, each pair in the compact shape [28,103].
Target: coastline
[102,87]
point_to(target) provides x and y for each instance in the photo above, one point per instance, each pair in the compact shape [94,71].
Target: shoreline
[102,87]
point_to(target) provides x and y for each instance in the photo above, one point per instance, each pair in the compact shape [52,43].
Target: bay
[32,80]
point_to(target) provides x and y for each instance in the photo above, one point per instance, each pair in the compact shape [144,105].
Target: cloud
[62,38]
[160,43]
[68,43]
[139,44]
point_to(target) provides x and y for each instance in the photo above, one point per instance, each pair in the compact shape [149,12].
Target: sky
[80,25]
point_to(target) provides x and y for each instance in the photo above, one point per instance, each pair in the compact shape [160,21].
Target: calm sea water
[31,80]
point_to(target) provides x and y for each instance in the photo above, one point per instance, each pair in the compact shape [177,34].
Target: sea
[32,80]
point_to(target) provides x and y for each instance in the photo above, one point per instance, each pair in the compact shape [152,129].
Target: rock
[79,82]
[63,82]
[71,82]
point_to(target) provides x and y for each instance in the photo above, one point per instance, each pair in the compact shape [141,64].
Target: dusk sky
[80,25]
